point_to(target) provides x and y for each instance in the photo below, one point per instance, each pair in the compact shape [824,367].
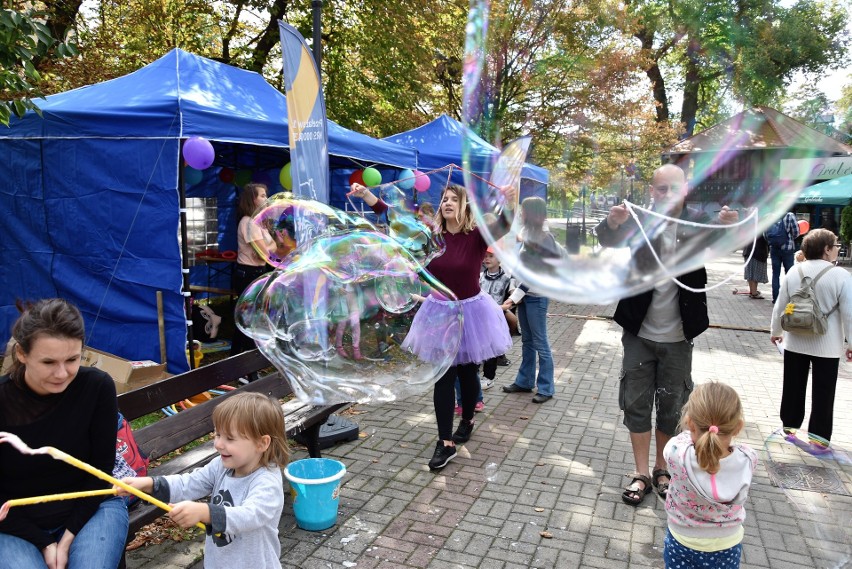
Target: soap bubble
[813,481]
[416,233]
[286,220]
[335,317]
[600,164]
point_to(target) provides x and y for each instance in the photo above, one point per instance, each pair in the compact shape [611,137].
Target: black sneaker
[515,388]
[443,455]
[503,361]
[462,434]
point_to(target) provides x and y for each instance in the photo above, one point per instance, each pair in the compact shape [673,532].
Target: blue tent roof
[182,95]
[91,201]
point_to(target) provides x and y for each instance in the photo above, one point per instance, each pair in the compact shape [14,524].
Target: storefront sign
[814,169]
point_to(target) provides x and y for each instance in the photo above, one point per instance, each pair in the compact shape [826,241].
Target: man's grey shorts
[654,374]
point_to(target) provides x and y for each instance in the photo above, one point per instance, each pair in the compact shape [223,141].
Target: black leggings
[445,397]
[824,375]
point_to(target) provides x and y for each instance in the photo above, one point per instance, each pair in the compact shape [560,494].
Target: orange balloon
[804,227]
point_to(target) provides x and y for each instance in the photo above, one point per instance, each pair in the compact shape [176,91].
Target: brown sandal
[633,494]
[662,487]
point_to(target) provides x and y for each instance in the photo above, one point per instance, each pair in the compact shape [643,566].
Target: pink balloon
[421,181]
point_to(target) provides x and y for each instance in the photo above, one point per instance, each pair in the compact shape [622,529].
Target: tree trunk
[269,38]
[646,37]
[689,110]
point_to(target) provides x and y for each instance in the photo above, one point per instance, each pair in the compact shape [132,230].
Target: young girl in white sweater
[710,479]
[819,354]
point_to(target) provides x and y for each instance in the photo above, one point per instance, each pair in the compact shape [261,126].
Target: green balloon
[372,177]
[242,177]
[285,177]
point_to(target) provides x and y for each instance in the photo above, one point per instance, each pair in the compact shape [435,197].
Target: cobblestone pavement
[559,467]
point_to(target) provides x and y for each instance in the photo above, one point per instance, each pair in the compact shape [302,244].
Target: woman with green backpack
[814,314]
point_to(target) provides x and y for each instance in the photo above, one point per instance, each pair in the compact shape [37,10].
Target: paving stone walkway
[540,485]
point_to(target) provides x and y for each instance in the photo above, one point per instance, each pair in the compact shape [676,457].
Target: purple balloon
[198,153]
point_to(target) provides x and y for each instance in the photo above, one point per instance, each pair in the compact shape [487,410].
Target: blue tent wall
[105,157]
[100,233]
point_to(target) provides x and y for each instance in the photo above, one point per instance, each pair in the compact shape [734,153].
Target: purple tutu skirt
[484,332]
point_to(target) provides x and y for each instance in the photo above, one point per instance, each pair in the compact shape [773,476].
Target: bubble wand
[4,509]
[54,452]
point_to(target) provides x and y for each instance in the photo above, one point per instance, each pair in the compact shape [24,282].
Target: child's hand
[187,514]
[143,483]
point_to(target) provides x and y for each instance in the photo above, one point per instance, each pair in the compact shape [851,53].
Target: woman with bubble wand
[53,402]
[485,333]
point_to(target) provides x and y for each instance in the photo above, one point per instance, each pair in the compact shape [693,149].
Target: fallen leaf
[546,534]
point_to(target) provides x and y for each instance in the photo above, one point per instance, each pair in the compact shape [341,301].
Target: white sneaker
[486,383]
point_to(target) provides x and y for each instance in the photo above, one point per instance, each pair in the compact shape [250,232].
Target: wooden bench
[174,432]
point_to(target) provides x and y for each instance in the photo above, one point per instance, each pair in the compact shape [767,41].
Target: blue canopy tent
[439,143]
[92,194]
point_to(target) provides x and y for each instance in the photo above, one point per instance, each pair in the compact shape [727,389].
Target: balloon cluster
[408,179]
[336,313]
[369,177]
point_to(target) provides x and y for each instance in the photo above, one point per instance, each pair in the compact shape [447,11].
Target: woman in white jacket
[820,353]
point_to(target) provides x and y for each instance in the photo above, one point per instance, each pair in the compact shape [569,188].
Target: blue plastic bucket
[315,486]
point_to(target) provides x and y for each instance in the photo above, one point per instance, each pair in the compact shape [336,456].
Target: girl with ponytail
[711,475]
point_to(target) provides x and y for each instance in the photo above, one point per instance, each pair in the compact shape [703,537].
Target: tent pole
[184,251]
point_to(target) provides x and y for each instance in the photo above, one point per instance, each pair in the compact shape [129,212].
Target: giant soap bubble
[418,234]
[336,315]
[597,125]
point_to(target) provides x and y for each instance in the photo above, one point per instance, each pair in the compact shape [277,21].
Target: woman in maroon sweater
[484,333]
[48,399]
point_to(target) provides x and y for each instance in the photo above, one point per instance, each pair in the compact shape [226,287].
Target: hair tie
[713,429]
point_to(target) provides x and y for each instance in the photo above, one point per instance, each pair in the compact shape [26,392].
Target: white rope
[633,208]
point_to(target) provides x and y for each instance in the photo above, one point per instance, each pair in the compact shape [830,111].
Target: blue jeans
[779,257]
[99,545]
[532,318]
[458,390]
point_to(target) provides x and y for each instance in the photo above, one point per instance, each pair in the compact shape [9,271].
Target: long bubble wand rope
[54,452]
[632,208]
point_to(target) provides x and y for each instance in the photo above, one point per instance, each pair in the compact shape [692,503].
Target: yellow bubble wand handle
[56,497]
[65,457]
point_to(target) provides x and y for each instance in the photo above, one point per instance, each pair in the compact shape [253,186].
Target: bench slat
[135,404]
[171,433]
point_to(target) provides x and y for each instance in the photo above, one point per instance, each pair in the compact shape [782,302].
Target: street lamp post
[316,6]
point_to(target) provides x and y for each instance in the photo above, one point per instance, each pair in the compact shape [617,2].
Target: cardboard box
[122,370]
